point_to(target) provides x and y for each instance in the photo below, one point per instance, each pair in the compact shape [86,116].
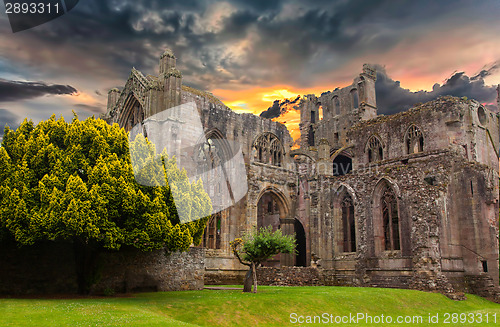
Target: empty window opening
[374,149]
[342,165]
[483,118]
[212,235]
[414,140]
[336,105]
[355,99]
[485,265]
[348,225]
[390,220]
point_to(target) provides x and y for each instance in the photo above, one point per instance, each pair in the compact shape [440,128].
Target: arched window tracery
[374,149]
[348,224]
[268,149]
[390,220]
[414,140]
[213,232]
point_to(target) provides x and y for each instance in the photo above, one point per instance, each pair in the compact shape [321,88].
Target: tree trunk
[85,264]
[247,284]
[254,274]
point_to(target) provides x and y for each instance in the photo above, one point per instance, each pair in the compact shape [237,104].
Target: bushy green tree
[258,246]
[73,182]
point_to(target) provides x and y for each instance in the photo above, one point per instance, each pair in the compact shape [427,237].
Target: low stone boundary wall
[481,285]
[295,276]
[224,277]
[135,271]
[49,268]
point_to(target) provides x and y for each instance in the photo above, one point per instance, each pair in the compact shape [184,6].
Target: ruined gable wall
[443,123]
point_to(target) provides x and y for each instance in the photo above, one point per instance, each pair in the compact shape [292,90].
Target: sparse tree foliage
[257,247]
[73,182]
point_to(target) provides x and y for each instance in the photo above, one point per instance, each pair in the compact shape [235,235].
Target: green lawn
[272,306]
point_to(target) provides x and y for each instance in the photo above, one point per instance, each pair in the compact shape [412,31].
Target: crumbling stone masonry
[408,200]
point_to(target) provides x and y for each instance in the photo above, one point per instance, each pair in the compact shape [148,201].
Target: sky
[253,55]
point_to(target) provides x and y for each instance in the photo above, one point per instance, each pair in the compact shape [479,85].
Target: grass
[272,306]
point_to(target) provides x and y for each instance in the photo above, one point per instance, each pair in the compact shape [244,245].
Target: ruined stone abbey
[408,200]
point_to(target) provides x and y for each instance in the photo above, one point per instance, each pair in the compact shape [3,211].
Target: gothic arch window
[414,140]
[374,149]
[387,220]
[268,149]
[336,105]
[211,153]
[355,98]
[213,166]
[327,111]
[390,220]
[348,224]
[213,232]
[132,113]
[361,87]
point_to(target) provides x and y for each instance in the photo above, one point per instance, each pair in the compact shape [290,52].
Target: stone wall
[309,276]
[135,271]
[49,268]
[290,276]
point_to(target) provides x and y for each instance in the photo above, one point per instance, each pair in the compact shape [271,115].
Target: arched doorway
[273,211]
[300,235]
[269,211]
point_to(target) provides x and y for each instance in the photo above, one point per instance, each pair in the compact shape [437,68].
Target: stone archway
[273,210]
[132,113]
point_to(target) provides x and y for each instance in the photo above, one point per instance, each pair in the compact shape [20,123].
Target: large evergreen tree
[73,182]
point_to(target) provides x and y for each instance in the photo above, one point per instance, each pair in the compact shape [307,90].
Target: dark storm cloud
[392,98]
[289,40]
[16,90]
[487,71]
[8,118]
[279,108]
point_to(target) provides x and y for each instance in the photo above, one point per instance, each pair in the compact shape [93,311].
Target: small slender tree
[258,246]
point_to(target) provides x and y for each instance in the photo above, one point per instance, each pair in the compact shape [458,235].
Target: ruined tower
[309,117]
[170,78]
